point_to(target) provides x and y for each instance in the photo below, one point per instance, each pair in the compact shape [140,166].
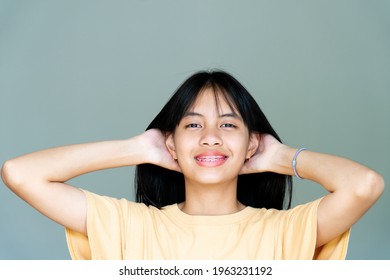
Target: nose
[210,138]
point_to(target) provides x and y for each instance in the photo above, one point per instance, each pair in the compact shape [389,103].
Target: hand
[156,151]
[263,160]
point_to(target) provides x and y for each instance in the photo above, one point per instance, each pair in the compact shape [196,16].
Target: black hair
[159,187]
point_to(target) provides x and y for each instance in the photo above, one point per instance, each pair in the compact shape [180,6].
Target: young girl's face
[211,142]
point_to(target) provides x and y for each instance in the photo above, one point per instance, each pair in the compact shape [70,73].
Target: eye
[193,125]
[228,125]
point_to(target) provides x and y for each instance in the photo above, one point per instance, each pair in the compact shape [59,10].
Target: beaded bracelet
[294,162]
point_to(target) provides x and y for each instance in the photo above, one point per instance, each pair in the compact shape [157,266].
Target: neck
[211,200]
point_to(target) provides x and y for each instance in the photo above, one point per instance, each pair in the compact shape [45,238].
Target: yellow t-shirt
[121,229]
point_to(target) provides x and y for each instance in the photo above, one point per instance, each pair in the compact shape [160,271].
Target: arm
[353,188]
[39,178]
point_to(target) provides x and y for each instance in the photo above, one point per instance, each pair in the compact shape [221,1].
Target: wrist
[282,163]
[137,150]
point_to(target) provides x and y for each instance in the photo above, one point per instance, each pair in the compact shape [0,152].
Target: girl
[212,180]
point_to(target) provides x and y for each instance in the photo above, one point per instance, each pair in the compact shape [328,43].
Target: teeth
[210,159]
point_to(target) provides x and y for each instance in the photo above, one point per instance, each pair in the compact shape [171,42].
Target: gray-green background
[82,71]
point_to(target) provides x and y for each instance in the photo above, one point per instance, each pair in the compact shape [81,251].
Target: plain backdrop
[84,71]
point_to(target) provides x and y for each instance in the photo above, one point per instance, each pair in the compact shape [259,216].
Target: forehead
[212,99]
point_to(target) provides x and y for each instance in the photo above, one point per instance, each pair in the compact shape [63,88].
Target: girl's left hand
[266,156]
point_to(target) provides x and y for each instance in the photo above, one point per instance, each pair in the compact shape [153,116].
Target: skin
[40,177]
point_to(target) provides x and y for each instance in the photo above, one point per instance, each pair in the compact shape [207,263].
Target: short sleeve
[106,230]
[300,235]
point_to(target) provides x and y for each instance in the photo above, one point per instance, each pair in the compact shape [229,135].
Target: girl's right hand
[156,151]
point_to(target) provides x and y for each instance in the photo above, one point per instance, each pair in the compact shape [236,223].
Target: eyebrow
[227,115]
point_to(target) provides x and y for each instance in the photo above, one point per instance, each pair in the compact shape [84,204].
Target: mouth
[210,159]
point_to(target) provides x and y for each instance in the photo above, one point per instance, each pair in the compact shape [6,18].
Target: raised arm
[39,178]
[353,188]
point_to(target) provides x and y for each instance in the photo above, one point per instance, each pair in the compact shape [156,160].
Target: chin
[213,179]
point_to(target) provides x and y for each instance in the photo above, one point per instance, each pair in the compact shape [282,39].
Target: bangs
[220,95]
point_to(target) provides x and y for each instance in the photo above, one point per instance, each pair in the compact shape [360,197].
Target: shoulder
[97,202]
[301,212]
[103,203]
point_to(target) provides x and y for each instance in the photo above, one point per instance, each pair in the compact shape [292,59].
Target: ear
[170,143]
[254,141]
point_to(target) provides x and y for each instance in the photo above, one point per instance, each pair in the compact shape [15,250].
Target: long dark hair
[159,187]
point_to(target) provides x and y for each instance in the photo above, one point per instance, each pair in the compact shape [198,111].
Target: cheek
[238,144]
[184,145]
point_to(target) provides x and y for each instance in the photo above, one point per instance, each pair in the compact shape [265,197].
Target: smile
[210,160]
